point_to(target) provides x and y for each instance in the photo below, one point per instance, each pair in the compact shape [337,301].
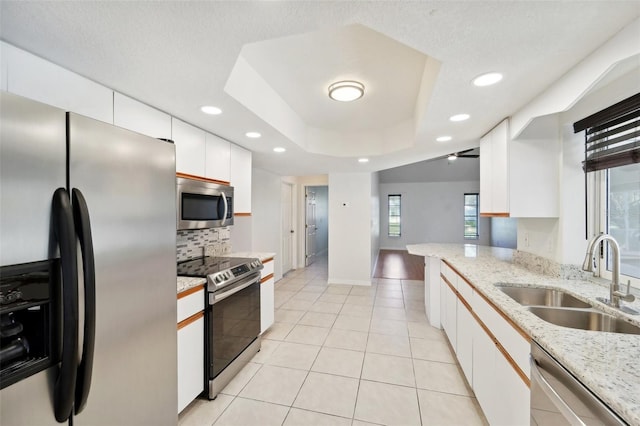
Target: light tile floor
[345,355]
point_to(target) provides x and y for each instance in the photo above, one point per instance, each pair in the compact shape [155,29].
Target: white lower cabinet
[190,345]
[190,362]
[449,315]
[464,340]
[267,296]
[479,336]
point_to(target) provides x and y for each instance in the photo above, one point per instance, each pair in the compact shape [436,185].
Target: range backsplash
[198,242]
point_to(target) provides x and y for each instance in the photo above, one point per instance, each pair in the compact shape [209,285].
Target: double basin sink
[563,309]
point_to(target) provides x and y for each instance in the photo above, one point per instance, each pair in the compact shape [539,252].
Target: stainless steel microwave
[203,204]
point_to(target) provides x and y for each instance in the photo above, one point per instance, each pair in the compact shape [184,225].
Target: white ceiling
[179,56]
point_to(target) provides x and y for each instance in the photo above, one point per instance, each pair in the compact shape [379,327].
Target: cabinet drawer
[511,339]
[451,276]
[190,303]
[465,290]
[268,268]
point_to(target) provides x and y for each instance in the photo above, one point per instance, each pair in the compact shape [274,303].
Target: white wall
[350,240]
[432,212]
[267,216]
[504,232]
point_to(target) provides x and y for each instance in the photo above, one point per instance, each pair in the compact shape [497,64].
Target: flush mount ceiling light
[443,139]
[363,160]
[346,91]
[253,135]
[211,110]
[279,149]
[487,79]
[459,117]
[452,157]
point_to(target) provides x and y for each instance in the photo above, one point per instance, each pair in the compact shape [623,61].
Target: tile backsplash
[197,242]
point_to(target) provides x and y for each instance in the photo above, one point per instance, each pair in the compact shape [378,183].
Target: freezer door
[32,166]
[128,181]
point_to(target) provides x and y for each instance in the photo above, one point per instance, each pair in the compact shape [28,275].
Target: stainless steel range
[232,315]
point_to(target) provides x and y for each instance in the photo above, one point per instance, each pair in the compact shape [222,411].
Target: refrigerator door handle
[64,234]
[83,230]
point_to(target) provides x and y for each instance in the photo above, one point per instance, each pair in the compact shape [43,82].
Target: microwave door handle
[63,229]
[226,209]
[553,396]
[83,230]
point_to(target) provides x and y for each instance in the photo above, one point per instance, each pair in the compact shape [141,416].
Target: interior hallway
[345,355]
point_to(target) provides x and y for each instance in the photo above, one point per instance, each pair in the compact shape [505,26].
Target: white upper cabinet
[218,158]
[518,178]
[34,78]
[133,115]
[190,148]
[494,171]
[241,179]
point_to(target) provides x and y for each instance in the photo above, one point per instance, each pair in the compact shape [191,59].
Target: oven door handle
[551,393]
[217,297]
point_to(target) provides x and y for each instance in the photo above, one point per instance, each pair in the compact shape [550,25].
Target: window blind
[612,136]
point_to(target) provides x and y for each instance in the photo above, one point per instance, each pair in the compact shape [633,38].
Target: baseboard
[349,282]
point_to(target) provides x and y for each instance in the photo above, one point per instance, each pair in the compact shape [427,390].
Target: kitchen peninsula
[606,363]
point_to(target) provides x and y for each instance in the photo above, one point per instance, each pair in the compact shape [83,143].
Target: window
[622,216]
[611,165]
[471,230]
[394,215]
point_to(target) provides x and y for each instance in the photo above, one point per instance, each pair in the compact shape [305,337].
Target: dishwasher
[558,398]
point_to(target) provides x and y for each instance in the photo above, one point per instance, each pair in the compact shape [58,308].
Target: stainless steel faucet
[615,295]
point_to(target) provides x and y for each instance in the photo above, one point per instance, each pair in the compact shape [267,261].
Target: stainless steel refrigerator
[111,230]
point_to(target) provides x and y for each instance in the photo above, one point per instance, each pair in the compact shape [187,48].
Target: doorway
[288,230]
[316,222]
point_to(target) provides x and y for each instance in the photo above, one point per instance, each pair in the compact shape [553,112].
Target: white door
[310,226]
[287,227]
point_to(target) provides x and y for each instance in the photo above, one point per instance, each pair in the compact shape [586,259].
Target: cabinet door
[483,366]
[35,78]
[486,174]
[190,148]
[267,309]
[218,158]
[240,177]
[190,362]
[464,340]
[500,168]
[449,324]
[133,115]
[513,395]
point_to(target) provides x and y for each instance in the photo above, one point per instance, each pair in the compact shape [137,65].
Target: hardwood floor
[399,264]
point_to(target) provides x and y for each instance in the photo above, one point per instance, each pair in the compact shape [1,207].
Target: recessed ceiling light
[346,91]
[452,157]
[459,117]
[363,160]
[279,149]
[253,135]
[211,110]
[444,139]
[487,79]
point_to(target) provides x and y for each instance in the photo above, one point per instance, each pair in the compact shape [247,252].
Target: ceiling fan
[462,154]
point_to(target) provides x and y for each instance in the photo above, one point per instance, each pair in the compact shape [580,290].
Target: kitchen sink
[536,296]
[584,319]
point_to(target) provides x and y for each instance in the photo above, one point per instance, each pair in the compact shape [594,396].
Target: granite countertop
[187,283]
[607,363]
[259,255]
